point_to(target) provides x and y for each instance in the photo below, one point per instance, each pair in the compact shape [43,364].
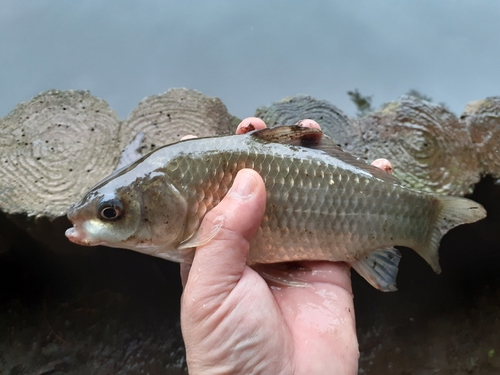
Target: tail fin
[455,211]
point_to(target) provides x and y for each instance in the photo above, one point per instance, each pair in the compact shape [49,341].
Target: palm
[320,320]
[286,330]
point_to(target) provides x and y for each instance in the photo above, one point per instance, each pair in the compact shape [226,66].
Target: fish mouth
[78,237]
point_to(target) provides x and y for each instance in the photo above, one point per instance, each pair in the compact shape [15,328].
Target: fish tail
[454,211]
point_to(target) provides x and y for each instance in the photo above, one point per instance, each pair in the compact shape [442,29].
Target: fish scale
[339,217]
[322,204]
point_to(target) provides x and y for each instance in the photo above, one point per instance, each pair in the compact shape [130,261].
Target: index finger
[249,124]
[308,123]
[255,123]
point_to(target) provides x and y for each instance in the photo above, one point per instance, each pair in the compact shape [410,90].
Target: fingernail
[383,164]
[244,186]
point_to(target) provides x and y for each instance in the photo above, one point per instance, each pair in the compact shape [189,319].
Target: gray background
[250,53]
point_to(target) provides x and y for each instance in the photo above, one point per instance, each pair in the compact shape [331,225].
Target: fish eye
[110,210]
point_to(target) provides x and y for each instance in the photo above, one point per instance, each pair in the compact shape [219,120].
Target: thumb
[217,266]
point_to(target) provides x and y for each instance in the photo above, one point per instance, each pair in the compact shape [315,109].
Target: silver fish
[322,204]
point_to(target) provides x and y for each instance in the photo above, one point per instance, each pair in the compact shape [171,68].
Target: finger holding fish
[254,123]
[308,123]
[189,136]
[383,164]
[249,124]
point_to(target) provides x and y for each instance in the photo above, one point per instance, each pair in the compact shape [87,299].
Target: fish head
[104,217]
[146,214]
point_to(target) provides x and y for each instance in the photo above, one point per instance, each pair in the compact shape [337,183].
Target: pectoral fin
[200,239]
[380,269]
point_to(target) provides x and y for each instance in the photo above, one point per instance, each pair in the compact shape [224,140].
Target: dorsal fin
[315,139]
[291,135]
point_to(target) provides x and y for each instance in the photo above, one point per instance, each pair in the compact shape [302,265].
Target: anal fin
[380,269]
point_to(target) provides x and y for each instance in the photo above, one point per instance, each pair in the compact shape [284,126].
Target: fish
[322,204]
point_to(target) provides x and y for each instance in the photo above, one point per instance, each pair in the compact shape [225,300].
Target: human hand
[234,323]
